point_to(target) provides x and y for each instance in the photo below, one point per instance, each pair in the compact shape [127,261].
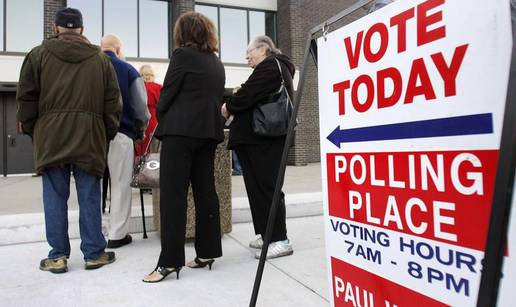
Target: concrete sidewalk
[23,194]
[297,280]
[22,220]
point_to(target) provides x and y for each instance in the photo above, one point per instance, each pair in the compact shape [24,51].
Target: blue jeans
[56,191]
[237,168]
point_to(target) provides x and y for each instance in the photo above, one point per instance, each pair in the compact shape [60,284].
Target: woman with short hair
[153,89]
[260,156]
[190,126]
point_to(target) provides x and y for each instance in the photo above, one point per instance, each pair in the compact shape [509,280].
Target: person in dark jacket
[260,156]
[69,103]
[133,122]
[190,126]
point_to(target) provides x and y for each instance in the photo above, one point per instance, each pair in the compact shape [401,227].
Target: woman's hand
[224,111]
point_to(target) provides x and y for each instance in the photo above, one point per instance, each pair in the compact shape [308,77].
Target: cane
[143,215]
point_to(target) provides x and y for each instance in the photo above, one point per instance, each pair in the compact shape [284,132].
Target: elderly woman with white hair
[153,90]
[261,156]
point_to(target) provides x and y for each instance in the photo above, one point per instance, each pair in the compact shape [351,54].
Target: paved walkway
[21,195]
[297,280]
[22,220]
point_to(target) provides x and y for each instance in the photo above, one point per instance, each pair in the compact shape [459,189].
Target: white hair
[265,41]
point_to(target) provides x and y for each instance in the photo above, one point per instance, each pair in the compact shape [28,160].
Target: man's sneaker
[106,258]
[277,249]
[57,265]
[256,243]
[119,243]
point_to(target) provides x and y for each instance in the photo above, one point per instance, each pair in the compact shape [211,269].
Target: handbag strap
[280,71]
[150,141]
[282,79]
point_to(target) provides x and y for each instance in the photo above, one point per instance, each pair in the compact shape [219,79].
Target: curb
[30,227]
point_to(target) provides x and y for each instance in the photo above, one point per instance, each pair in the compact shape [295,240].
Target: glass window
[270,25]
[233,35]
[256,24]
[237,27]
[120,19]
[209,11]
[24,26]
[91,17]
[153,29]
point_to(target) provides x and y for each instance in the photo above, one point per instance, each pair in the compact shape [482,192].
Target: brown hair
[193,29]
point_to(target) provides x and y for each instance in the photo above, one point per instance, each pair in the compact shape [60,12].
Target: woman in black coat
[189,127]
[259,156]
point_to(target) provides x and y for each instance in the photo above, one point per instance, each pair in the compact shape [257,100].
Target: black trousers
[260,166]
[184,160]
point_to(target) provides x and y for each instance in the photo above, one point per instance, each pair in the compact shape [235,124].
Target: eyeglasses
[250,50]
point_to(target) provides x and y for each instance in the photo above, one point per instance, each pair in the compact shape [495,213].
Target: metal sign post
[310,49]
[502,200]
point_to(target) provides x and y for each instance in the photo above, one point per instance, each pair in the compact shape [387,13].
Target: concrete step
[297,205]
[30,227]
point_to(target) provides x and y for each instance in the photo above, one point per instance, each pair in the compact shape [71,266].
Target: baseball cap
[68,18]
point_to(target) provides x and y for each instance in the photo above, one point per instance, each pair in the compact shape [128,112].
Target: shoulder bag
[146,169]
[271,118]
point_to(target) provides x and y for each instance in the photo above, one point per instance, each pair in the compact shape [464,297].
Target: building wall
[270,5]
[235,75]
[295,19]
[50,8]
[182,6]
[11,64]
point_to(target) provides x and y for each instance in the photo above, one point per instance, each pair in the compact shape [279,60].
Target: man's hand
[140,136]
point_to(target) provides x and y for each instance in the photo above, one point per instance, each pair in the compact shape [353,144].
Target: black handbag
[271,118]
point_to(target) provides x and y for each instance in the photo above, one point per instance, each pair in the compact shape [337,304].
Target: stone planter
[223,186]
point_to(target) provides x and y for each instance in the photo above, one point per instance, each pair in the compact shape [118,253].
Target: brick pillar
[50,8]
[292,34]
[179,7]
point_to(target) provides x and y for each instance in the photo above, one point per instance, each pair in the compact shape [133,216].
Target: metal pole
[502,200]
[281,176]
[143,215]
[310,43]
[4,21]
[138,28]
[357,5]
[3,102]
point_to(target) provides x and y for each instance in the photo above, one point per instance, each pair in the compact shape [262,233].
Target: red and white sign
[411,102]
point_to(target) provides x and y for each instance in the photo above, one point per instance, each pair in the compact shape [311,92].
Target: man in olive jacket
[69,103]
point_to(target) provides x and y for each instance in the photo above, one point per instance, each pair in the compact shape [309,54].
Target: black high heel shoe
[198,263]
[164,272]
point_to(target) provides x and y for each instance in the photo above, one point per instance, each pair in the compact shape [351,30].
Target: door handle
[11,140]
